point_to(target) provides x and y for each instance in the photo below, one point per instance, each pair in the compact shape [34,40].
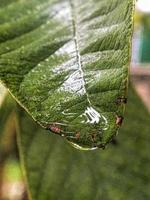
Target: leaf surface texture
[66,62]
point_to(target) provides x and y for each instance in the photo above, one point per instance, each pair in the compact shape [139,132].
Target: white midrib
[75,34]
[90,113]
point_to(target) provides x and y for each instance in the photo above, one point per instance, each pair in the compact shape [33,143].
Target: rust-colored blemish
[54,128]
[119,120]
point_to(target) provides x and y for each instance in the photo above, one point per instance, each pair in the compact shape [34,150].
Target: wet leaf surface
[66,62]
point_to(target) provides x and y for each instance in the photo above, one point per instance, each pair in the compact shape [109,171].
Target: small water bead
[83,148]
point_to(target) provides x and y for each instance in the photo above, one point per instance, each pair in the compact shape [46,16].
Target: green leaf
[7,132]
[7,128]
[56,171]
[66,62]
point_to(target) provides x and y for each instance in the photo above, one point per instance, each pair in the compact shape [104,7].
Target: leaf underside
[66,62]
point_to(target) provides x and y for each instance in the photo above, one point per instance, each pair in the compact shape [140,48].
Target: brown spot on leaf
[119,120]
[93,137]
[121,100]
[54,128]
[77,135]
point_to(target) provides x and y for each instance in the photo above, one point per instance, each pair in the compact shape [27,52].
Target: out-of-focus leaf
[3,93]
[7,133]
[7,123]
[56,171]
[12,171]
[66,62]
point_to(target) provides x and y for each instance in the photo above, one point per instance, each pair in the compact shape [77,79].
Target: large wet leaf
[66,62]
[54,170]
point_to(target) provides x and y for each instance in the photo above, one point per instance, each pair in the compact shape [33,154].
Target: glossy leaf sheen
[66,62]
